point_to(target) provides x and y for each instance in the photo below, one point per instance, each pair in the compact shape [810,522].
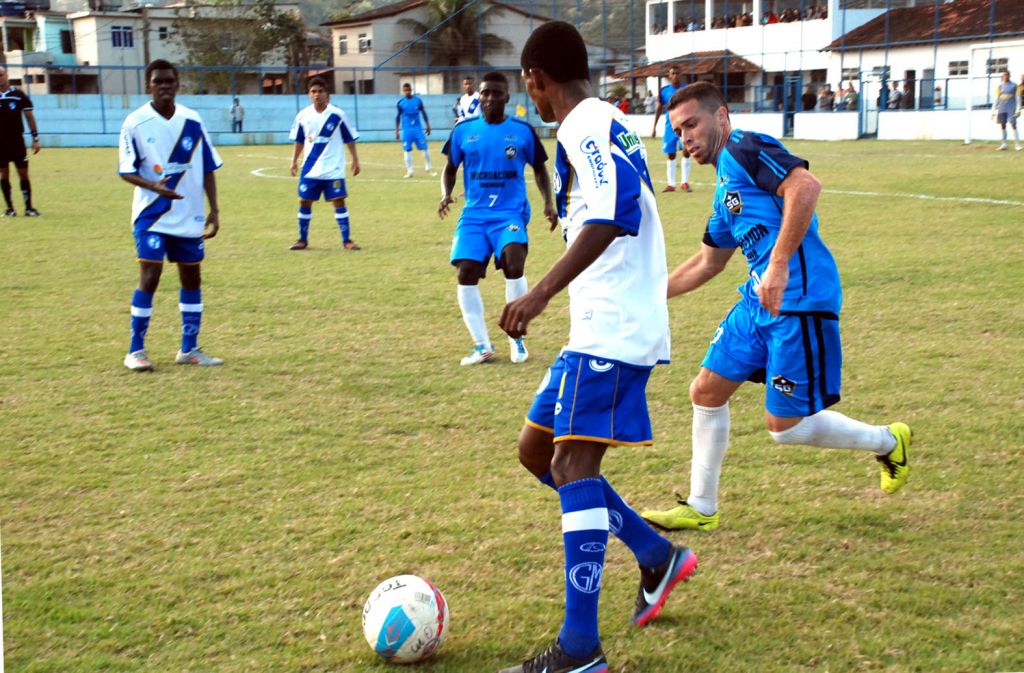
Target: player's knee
[469,274]
[703,394]
[784,430]
[672,157]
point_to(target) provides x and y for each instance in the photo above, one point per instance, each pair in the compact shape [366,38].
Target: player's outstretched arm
[447,185]
[213,217]
[543,180]
[593,239]
[799,192]
[699,269]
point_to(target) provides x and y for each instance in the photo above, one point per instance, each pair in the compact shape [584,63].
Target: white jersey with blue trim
[617,305]
[178,149]
[324,135]
[469,106]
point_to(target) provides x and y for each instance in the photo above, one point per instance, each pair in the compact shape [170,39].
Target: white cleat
[1002,147]
[519,352]
[196,356]
[138,361]
[433,174]
[480,353]
[408,174]
[1018,147]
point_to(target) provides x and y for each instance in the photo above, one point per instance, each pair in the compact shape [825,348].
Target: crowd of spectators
[692,23]
[827,100]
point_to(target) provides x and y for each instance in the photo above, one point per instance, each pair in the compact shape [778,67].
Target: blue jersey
[748,215]
[665,96]
[495,158]
[409,110]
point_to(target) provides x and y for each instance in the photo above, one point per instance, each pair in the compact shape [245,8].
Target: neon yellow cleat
[894,466]
[682,517]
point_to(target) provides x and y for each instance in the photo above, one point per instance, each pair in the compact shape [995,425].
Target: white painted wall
[939,125]
[826,126]
[768,123]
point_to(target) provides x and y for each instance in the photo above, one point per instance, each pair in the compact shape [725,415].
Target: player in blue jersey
[784,331]
[166,153]
[594,395]
[322,131]
[670,143]
[409,130]
[495,150]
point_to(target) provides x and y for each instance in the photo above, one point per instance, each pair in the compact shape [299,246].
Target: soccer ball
[405,619]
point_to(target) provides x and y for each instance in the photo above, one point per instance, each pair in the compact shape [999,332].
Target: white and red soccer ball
[405,619]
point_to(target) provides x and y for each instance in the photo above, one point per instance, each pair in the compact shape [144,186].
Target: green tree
[460,41]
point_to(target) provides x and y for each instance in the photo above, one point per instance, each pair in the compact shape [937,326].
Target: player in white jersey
[166,153]
[594,395]
[468,106]
[321,132]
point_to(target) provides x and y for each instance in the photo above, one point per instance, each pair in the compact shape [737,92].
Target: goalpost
[978,71]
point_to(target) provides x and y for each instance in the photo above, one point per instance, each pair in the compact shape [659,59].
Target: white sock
[671,172]
[833,430]
[686,169]
[1004,135]
[710,440]
[426,160]
[515,288]
[472,305]
[408,161]
[1016,135]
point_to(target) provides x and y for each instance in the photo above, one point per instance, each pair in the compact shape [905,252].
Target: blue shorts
[1004,118]
[417,137]
[798,357]
[595,400]
[310,189]
[151,246]
[477,239]
[671,144]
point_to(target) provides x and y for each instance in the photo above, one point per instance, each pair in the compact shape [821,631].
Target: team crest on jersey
[330,127]
[187,143]
[12,105]
[783,385]
[733,202]
[510,152]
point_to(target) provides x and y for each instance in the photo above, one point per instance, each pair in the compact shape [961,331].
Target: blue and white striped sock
[585,534]
[191,305]
[341,217]
[305,215]
[142,309]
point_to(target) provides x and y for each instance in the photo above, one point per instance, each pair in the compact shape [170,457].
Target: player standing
[594,395]
[1005,109]
[323,131]
[166,153]
[785,328]
[14,103]
[495,150]
[468,106]
[408,129]
[670,143]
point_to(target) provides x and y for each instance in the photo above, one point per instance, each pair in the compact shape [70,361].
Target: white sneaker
[479,354]
[408,174]
[1018,147]
[433,174]
[519,352]
[1001,147]
[196,356]
[138,361]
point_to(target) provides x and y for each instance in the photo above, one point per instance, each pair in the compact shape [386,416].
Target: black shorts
[14,151]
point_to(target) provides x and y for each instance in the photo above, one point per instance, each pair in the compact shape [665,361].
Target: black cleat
[657,583]
[10,212]
[32,212]
[299,245]
[555,660]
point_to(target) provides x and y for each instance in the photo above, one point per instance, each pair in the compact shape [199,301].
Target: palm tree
[453,37]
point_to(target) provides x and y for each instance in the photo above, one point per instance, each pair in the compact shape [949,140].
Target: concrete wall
[826,126]
[940,125]
[769,123]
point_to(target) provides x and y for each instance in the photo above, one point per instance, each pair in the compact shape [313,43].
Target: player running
[166,153]
[670,143]
[322,131]
[784,331]
[468,106]
[13,104]
[495,150]
[594,396]
[1005,110]
[409,131]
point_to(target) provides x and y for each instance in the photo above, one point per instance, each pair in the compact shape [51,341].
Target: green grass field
[235,519]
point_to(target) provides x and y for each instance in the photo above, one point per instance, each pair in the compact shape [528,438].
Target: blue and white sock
[426,161]
[142,309]
[408,162]
[191,305]
[341,217]
[649,548]
[305,215]
[585,534]
[515,288]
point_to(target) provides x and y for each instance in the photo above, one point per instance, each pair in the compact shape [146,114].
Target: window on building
[67,42]
[957,68]
[997,66]
[365,43]
[657,18]
[163,32]
[851,74]
[342,45]
[121,37]
[689,15]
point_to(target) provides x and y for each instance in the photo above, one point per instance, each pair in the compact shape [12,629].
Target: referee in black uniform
[14,102]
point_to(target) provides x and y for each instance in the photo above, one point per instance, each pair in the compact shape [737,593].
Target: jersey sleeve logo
[733,202]
[597,163]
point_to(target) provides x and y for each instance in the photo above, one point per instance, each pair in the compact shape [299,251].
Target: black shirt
[809,100]
[12,103]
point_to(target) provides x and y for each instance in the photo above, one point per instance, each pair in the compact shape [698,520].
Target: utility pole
[145,34]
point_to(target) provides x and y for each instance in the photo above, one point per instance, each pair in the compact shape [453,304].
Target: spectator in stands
[625,105]
[237,117]
[850,98]
[937,99]
[650,103]
[680,26]
[826,99]
[907,99]
[809,100]
[895,97]
[770,17]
